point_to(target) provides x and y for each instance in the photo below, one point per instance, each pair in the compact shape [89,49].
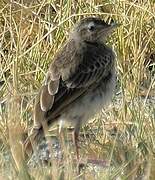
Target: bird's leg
[76,139]
[76,131]
[63,145]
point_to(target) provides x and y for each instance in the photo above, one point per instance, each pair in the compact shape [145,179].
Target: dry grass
[31,32]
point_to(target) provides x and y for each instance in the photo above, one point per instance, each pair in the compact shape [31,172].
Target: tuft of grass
[31,33]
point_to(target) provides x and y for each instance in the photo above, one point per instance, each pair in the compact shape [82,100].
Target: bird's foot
[98,162]
[82,164]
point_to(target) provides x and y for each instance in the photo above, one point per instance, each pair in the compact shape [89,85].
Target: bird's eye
[91,27]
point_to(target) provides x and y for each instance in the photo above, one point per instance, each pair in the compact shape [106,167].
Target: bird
[80,80]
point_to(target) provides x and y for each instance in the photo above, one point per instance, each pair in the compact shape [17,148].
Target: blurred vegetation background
[31,33]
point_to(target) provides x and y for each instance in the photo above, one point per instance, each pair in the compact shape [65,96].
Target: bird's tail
[33,139]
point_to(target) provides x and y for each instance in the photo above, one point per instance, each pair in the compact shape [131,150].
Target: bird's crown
[92,29]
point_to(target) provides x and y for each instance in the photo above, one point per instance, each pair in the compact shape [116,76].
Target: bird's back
[93,61]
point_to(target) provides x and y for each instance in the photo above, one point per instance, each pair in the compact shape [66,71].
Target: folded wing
[59,92]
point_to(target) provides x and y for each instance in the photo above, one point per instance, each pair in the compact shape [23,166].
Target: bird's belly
[90,104]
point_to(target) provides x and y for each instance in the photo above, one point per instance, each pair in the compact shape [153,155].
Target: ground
[122,136]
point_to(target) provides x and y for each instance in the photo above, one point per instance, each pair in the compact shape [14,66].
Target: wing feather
[53,87]
[46,99]
[59,92]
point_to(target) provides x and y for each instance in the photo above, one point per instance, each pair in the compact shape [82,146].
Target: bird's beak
[105,31]
[111,26]
[115,25]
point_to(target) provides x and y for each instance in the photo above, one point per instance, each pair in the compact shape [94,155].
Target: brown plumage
[80,80]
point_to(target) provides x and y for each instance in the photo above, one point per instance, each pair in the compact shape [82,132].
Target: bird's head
[92,29]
